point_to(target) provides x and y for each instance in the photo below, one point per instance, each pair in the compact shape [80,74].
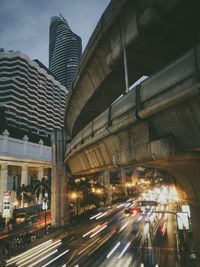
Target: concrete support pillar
[5,140]
[107,186]
[3,183]
[41,143]
[194,202]
[134,176]
[25,139]
[123,180]
[40,173]
[101,180]
[195,220]
[24,175]
[59,198]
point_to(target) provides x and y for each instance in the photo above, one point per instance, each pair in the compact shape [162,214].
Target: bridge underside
[161,126]
[168,140]
[163,154]
[153,35]
[164,136]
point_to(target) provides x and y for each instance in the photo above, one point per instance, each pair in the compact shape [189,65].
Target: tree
[42,189]
[24,194]
[90,192]
[33,181]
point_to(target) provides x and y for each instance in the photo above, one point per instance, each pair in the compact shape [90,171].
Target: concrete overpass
[156,121]
[157,124]
[145,35]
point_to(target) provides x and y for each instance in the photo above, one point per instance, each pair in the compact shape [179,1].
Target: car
[135,210]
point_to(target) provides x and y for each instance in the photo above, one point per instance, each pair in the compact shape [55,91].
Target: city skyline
[30,24]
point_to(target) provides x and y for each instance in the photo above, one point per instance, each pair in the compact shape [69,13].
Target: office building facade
[32,99]
[64,51]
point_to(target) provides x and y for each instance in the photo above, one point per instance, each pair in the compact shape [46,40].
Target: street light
[98,191]
[45,213]
[75,196]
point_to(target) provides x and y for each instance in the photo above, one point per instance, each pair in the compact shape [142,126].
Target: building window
[14,177]
[32,173]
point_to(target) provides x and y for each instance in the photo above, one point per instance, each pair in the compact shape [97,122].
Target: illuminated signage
[6,203]
[182,220]
[186,208]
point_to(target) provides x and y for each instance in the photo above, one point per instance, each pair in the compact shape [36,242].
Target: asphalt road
[111,238]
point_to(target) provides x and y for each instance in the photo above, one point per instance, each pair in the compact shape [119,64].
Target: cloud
[24,24]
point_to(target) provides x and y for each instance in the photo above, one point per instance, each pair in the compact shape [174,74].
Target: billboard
[6,204]
[186,208]
[182,220]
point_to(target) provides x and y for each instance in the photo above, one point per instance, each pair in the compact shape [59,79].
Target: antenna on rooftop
[62,17]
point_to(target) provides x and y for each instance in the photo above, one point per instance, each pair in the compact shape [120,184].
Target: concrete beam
[127,147]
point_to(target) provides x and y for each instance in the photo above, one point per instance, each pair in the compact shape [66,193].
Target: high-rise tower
[64,51]
[32,100]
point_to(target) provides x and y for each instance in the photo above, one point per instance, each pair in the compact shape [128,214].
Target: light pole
[16,203]
[45,220]
[77,205]
[45,213]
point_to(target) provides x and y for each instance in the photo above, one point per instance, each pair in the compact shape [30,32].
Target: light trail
[10,261]
[120,205]
[140,218]
[88,246]
[98,231]
[54,259]
[27,260]
[113,250]
[124,250]
[47,248]
[64,235]
[103,242]
[123,227]
[101,215]
[91,230]
[95,215]
[41,259]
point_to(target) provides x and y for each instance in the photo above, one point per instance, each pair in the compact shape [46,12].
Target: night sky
[24,24]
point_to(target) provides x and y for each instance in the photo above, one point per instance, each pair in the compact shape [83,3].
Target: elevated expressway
[158,120]
[157,123]
[131,39]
